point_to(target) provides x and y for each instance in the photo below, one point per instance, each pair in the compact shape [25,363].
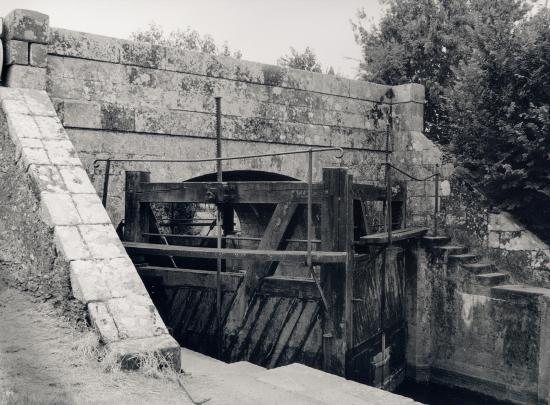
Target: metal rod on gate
[436,205]
[218,226]
[106,182]
[309,207]
[309,262]
[385,258]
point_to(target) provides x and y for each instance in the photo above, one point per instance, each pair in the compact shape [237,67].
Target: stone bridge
[72,98]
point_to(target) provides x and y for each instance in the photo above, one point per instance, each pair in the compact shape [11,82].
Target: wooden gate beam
[336,236]
[255,270]
[136,213]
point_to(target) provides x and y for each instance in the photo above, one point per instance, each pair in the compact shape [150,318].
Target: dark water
[433,394]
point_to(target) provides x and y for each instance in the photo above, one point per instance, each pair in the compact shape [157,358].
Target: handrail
[436,192]
[108,162]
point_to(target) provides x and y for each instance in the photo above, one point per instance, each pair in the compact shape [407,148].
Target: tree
[486,70]
[417,41]
[500,109]
[306,60]
[187,39]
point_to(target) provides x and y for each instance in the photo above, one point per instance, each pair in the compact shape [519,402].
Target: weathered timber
[291,287]
[136,214]
[257,269]
[397,235]
[300,333]
[294,256]
[229,192]
[336,237]
[289,325]
[192,278]
[261,352]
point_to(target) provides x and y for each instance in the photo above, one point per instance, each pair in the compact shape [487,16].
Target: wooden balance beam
[295,256]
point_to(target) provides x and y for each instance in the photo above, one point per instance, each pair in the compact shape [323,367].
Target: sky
[262,30]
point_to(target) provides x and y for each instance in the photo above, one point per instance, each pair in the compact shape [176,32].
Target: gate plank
[258,269]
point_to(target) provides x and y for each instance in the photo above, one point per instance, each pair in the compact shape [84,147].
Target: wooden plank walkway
[397,235]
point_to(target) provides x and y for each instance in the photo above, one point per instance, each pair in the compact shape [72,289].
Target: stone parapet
[26,34]
[101,274]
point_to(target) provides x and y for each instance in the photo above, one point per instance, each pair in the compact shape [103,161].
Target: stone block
[409,117]
[493,240]
[77,180]
[136,317]
[17,52]
[87,281]
[30,156]
[129,351]
[117,117]
[61,152]
[38,55]
[445,188]
[84,45]
[47,178]
[123,278]
[410,92]
[10,94]
[90,209]
[503,221]
[50,128]
[70,243]
[102,241]
[27,143]
[142,54]
[29,77]
[22,126]
[39,102]
[27,25]
[81,114]
[520,240]
[15,106]
[102,320]
[368,91]
[58,209]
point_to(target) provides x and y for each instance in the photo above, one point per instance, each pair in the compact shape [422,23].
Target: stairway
[245,383]
[474,273]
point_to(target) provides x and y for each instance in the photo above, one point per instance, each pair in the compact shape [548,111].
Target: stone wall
[57,239]
[468,217]
[123,99]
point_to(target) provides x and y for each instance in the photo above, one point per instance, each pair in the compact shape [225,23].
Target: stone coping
[102,275]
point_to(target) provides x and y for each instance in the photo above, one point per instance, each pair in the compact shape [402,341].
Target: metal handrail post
[106,183]
[218,226]
[436,205]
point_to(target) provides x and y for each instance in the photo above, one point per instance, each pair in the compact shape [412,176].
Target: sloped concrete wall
[56,231]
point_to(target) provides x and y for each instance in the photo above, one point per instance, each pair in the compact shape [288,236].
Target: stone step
[491,279]
[246,368]
[213,381]
[328,388]
[194,362]
[451,249]
[479,267]
[433,241]
[462,258]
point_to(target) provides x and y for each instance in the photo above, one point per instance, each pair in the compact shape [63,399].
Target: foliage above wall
[487,75]
[188,39]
